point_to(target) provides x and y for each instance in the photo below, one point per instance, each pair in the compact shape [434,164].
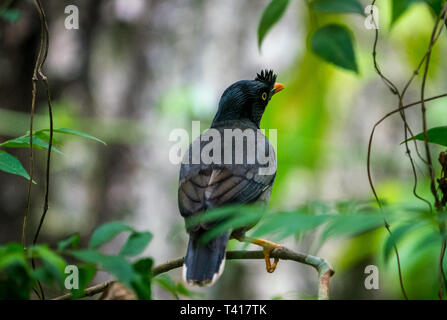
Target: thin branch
[324,269]
[35,79]
[395,91]
[423,108]
[441,269]
[40,61]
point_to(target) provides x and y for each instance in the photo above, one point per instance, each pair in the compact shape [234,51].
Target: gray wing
[211,188]
[206,186]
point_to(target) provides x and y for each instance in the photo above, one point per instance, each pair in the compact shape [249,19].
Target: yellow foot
[268,247]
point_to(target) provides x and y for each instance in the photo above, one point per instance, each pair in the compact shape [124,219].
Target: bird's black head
[247,99]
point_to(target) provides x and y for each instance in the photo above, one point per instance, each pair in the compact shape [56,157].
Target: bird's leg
[267,246]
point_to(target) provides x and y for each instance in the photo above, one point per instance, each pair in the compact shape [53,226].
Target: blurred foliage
[330,42]
[339,219]
[41,139]
[176,289]
[8,14]
[17,278]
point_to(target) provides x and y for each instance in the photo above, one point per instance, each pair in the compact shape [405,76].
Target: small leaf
[338,6]
[116,265]
[397,234]
[437,135]
[23,142]
[72,241]
[42,134]
[86,274]
[106,232]
[290,223]
[351,225]
[435,5]
[399,7]
[428,241]
[271,15]
[136,243]
[175,289]
[141,283]
[10,15]
[165,282]
[13,253]
[10,164]
[240,220]
[333,43]
[182,290]
[16,276]
[54,265]
[77,133]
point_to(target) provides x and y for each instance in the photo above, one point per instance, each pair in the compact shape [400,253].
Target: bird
[205,185]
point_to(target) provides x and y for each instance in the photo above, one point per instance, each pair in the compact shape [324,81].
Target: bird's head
[247,99]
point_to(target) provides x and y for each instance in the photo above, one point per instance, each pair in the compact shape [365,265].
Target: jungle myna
[212,177]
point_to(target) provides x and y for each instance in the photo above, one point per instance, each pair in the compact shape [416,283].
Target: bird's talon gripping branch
[267,247]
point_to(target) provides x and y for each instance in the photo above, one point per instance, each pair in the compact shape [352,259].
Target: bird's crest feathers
[266,76]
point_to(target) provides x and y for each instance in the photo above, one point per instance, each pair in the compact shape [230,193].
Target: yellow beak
[277,87]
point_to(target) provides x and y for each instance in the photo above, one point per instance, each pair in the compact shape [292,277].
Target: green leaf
[77,133]
[435,5]
[289,223]
[175,289]
[333,43]
[116,265]
[42,134]
[72,241]
[106,232]
[54,265]
[86,274]
[136,243]
[141,283]
[338,6]
[10,15]
[10,164]
[271,15]
[165,282]
[182,290]
[427,241]
[23,142]
[400,6]
[351,225]
[437,135]
[242,219]
[13,253]
[397,234]
[16,276]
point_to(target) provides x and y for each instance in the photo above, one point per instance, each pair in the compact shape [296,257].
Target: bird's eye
[264,96]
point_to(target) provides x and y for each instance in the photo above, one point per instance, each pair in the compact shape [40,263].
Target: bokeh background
[135,70]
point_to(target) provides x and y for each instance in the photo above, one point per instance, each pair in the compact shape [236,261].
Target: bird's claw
[268,248]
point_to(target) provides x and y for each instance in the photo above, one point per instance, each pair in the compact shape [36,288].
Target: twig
[35,79]
[395,91]
[423,109]
[324,269]
[40,61]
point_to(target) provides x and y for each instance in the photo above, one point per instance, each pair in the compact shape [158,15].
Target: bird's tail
[204,263]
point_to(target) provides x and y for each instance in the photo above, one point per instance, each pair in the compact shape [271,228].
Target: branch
[324,269]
